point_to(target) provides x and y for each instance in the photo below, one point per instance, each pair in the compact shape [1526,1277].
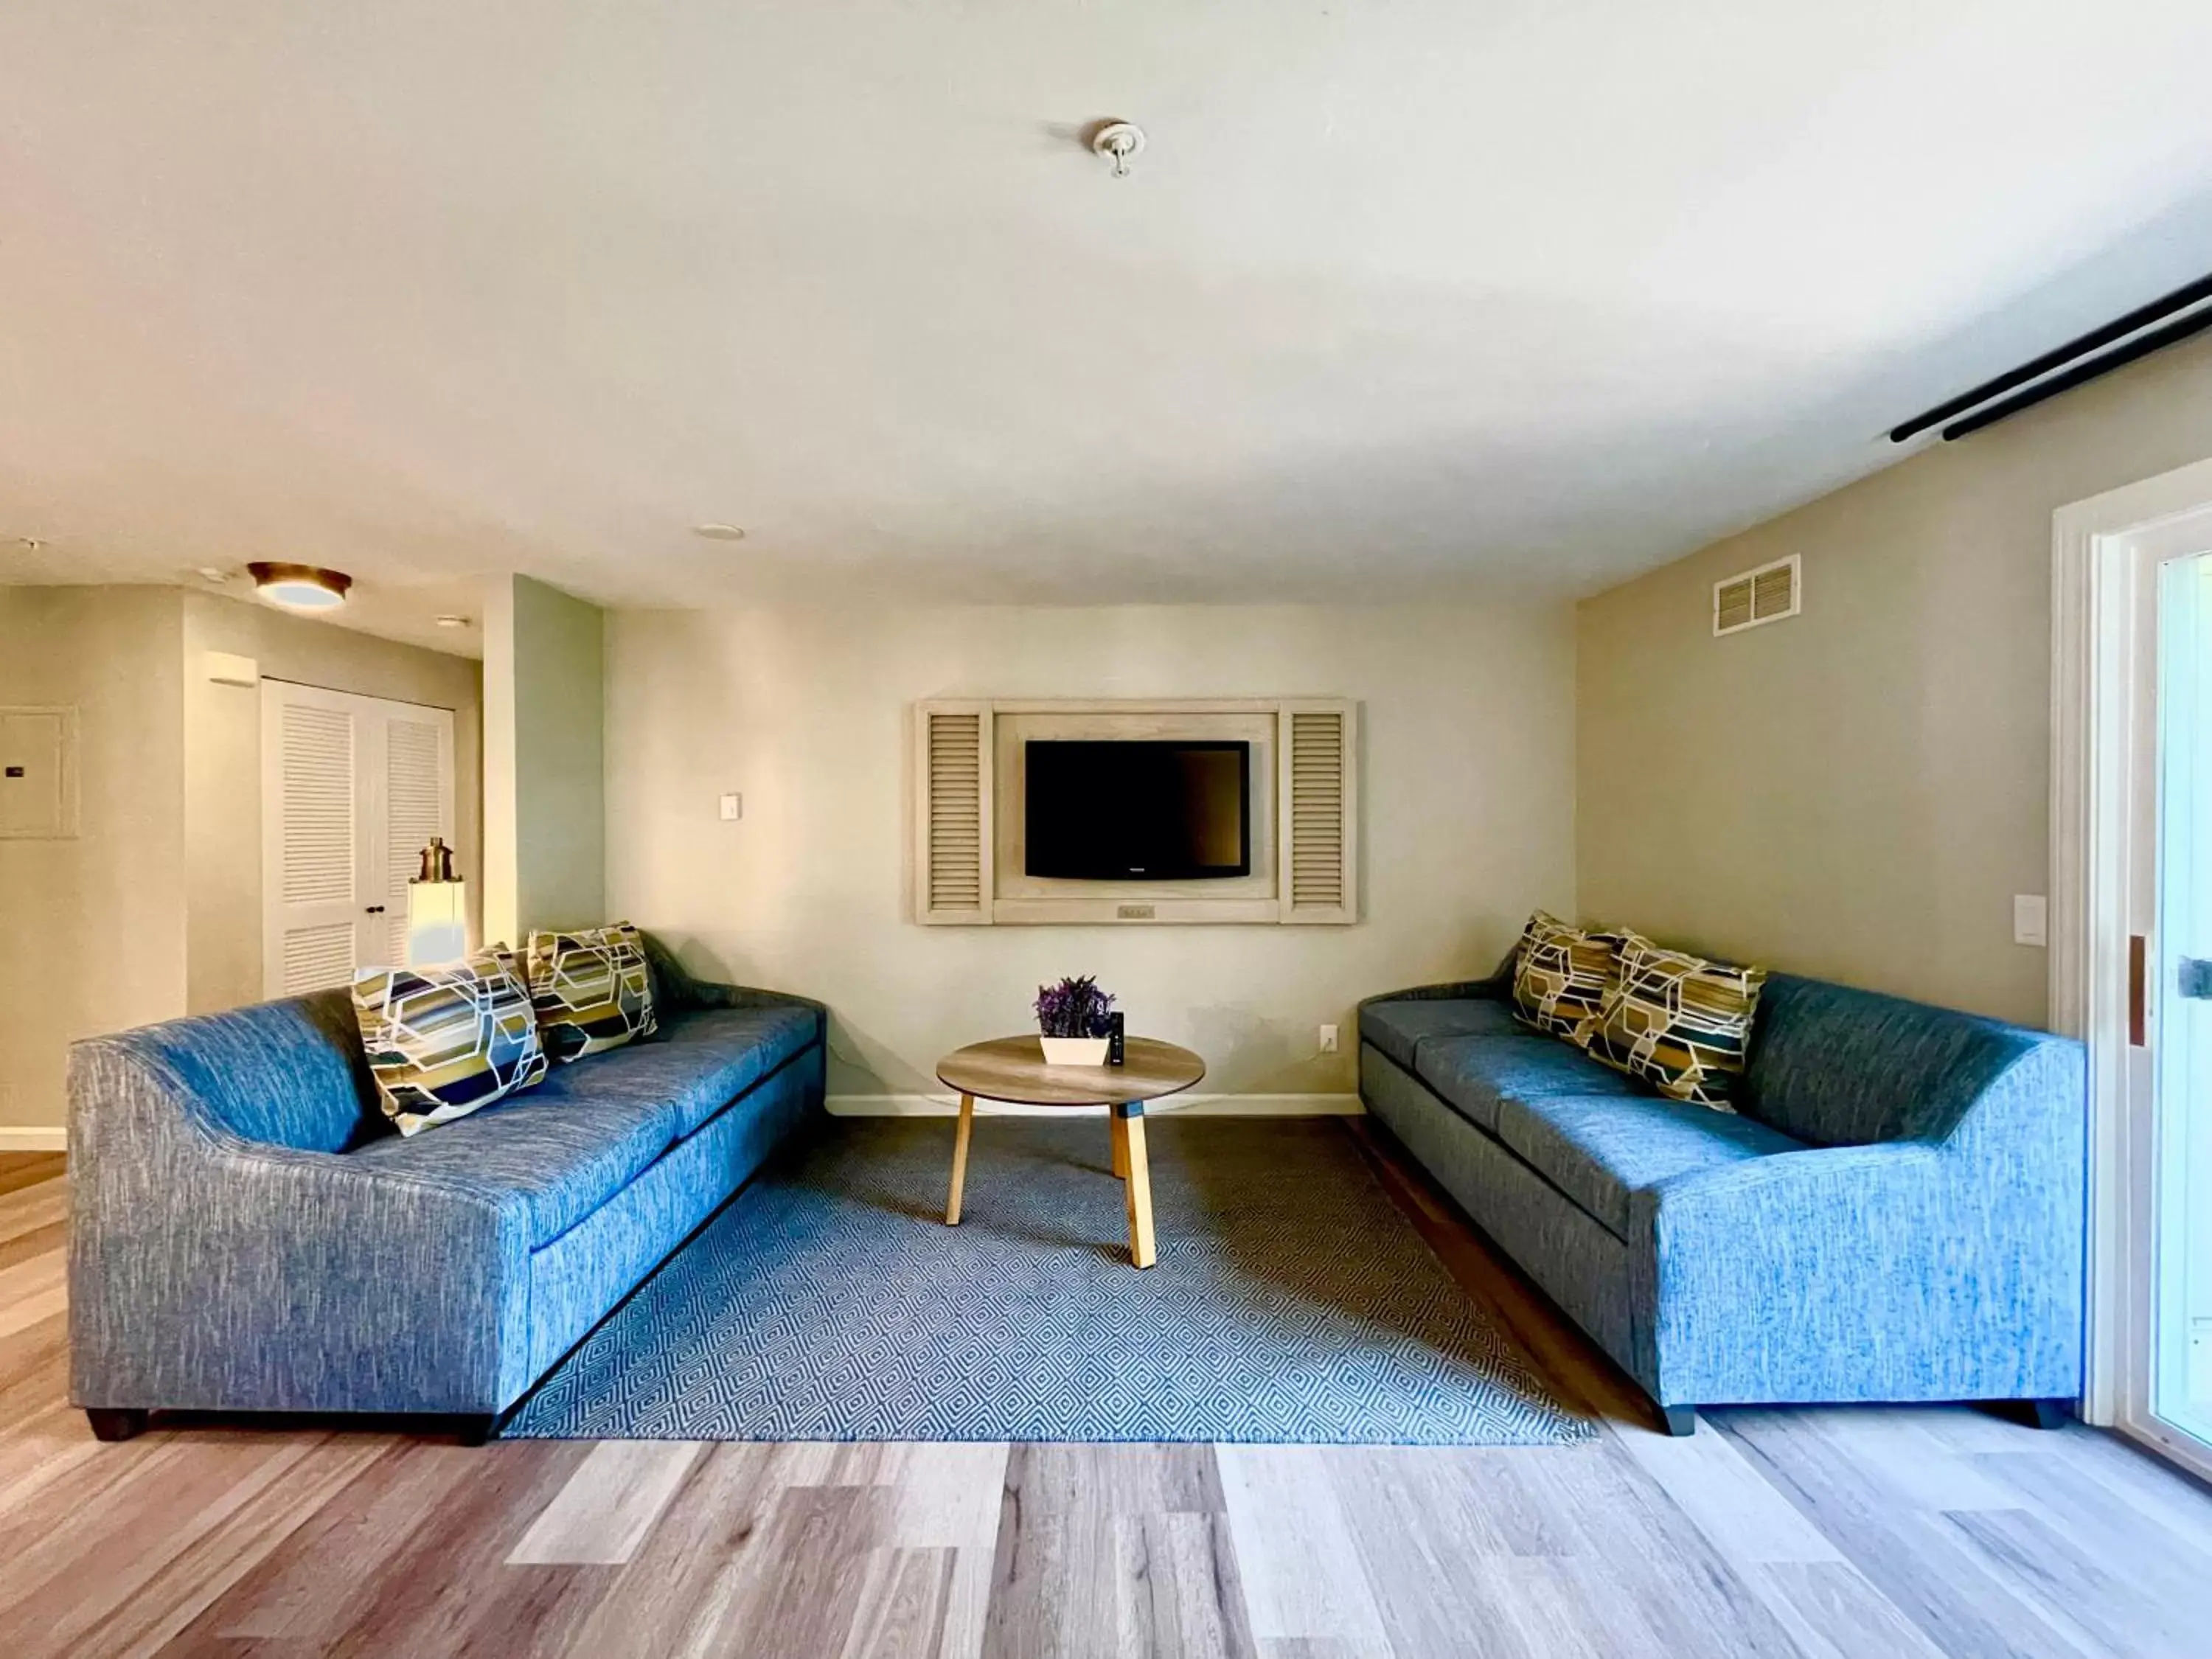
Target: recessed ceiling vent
[1765,595]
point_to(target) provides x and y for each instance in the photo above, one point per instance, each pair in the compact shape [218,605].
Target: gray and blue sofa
[248,1235]
[1895,1211]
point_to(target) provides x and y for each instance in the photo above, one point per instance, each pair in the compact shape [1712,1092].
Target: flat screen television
[1138,810]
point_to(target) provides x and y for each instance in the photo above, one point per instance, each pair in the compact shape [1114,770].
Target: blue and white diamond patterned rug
[1293,1304]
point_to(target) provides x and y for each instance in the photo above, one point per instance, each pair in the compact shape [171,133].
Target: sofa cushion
[1599,1152]
[698,1064]
[562,1157]
[1559,976]
[443,1042]
[1679,1022]
[1472,1074]
[1398,1027]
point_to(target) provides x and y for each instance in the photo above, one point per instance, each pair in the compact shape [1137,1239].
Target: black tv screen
[1137,810]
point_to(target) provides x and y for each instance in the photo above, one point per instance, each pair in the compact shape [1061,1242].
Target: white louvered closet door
[352,787]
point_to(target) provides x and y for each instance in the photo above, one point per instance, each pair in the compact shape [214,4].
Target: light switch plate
[733,808]
[2031,919]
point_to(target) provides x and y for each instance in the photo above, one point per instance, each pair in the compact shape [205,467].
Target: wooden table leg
[1119,1130]
[1138,1187]
[960,1159]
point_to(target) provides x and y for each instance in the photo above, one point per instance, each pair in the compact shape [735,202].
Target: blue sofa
[1897,1214]
[249,1235]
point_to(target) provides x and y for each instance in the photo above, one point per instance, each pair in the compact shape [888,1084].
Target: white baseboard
[1182,1105]
[12,1139]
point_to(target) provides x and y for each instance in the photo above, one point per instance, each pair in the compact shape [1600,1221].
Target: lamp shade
[437,922]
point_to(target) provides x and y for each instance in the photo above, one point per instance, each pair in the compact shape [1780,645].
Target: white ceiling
[1402,294]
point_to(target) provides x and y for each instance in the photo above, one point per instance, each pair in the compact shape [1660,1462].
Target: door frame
[2098,645]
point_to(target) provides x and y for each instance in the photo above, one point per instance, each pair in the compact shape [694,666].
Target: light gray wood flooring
[1816,1533]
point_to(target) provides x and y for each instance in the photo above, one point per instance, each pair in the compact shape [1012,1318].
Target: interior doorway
[352,787]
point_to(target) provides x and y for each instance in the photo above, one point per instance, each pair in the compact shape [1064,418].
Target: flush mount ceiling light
[1117,141]
[718,532]
[300,586]
[452,622]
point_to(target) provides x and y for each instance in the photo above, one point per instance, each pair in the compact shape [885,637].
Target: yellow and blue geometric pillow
[1679,1022]
[1559,976]
[592,988]
[443,1041]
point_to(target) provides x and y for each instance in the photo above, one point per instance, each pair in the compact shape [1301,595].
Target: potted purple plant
[1071,1016]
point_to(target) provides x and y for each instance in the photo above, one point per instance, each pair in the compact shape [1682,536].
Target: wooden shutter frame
[1286,711]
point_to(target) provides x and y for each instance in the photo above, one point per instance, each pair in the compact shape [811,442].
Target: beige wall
[544,761]
[92,935]
[222,767]
[1859,791]
[154,910]
[1467,817]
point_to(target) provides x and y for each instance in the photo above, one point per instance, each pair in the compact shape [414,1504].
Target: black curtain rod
[2118,329]
[2141,346]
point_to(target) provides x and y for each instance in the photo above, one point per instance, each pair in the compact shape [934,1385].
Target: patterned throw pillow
[593,989]
[1559,976]
[1679,1022]
[443,1041]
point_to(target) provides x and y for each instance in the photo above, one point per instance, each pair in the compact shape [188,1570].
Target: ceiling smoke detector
[1117,141]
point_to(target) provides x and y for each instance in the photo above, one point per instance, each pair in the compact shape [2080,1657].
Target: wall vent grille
[1769,594]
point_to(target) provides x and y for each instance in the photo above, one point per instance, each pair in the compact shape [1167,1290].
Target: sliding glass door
[2172,998]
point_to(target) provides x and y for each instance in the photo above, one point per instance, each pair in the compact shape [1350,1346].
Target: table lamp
[437,910]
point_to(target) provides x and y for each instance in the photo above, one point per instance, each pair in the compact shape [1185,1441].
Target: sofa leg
[110,1424]
[1680,1420]
[473,1430]
[2047,1413]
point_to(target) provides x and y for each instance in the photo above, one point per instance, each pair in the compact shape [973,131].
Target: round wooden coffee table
[1012,1069]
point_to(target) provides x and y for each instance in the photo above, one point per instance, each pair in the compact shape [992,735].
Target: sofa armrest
[212,1272]
[1902,1270]
[711,994]
[676,982]
[1496,988]
[1456,990]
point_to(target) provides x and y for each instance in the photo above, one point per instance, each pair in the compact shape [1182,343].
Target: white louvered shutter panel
[414,808]
[1318,800]
[952,862]
[316,958]
[318,855]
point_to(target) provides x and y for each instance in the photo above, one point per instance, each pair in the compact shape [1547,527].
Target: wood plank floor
[1798,1534]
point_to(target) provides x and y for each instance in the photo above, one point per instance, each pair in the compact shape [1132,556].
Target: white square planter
[1074,1051]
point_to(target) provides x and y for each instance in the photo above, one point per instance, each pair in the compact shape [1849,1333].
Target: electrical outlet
[733,808]
[1328,1039]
